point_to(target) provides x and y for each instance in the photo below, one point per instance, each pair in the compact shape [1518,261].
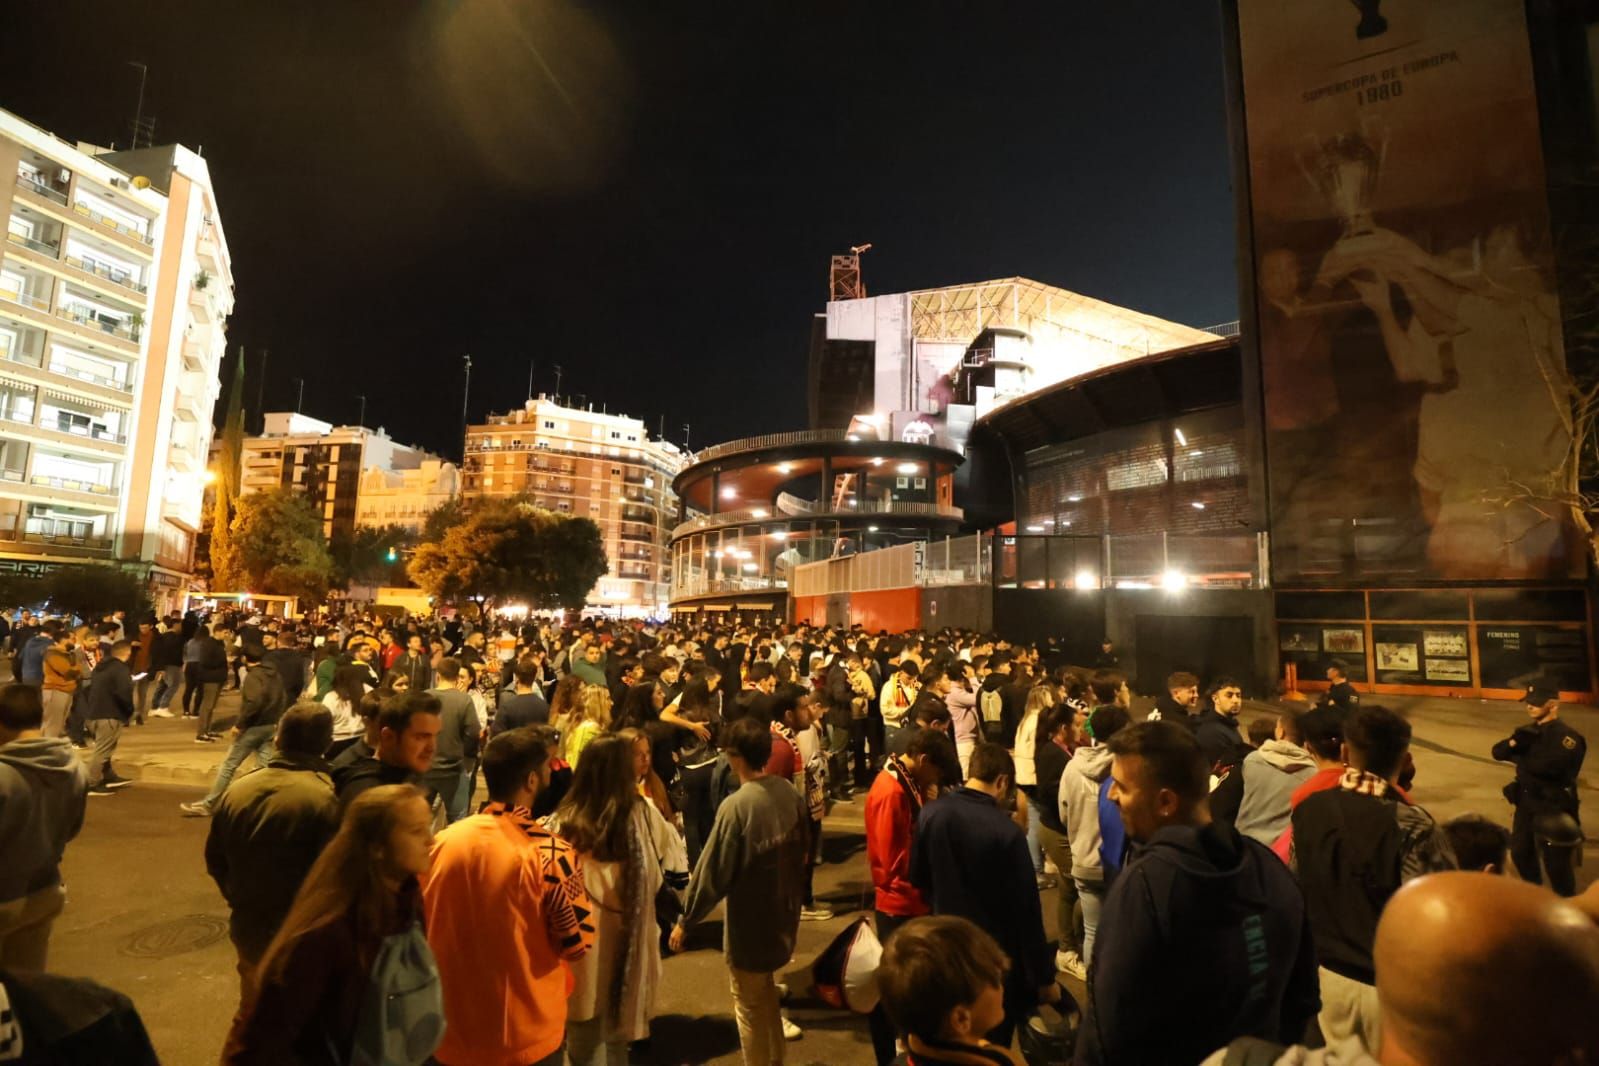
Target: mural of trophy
[1372,24]
[1345,170]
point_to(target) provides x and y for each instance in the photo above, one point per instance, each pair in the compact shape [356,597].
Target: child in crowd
[942,984]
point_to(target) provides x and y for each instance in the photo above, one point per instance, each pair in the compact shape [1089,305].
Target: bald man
[1471,967]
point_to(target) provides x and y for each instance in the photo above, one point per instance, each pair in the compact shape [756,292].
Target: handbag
[668,904]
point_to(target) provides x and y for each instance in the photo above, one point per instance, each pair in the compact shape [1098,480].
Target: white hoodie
[1079,809]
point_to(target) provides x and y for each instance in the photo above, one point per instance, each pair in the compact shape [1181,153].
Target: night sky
[648,200]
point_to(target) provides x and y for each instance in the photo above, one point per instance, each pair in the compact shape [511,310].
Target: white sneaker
[1069,962]
[815,914]
[160,712]
[790,1030]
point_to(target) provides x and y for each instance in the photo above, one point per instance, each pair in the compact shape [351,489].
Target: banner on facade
[1408,327]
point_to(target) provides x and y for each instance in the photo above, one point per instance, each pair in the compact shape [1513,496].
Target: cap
[1538,695]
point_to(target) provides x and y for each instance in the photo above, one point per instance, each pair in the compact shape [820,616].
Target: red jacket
[891,808]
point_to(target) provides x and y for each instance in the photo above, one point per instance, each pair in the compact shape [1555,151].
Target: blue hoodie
[1112,834]
[1204,938]
[30,661]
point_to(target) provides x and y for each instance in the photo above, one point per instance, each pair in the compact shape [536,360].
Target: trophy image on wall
[1345,170]
[1372,24]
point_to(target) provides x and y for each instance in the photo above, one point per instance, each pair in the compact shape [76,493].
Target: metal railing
[49,192]
[700,582]
[105,220]
[42,531]
[115,327]
[70,485]
[921,564]
[111,274]
[42,247]
[93,432]
[92,378]
[748,515]
[772,440]
[17,296]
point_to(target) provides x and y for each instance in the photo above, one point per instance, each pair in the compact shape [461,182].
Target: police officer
[1340,693]
[1548,753]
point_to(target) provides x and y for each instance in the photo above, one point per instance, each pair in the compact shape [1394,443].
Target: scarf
[1366,784]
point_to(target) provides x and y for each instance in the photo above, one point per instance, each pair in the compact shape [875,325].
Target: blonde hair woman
[1040,698]
[589,717]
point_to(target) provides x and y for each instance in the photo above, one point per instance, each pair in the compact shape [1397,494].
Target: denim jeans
[257,740]
[1035,847]
[171,676]
[1091,894]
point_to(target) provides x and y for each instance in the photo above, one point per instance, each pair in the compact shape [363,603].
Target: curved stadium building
[755,509]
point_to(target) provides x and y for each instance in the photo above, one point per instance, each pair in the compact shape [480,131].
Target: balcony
[55,194]
[128,331]
[52,532]
[94,431]
[112,224]
[70,485]
[772,440]
[100,270]
[104,381]
[44,248]
[25,299]
[756,515]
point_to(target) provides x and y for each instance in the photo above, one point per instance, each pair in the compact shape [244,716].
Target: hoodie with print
[42,789]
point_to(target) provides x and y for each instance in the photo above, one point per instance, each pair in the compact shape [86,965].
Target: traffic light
[393,555]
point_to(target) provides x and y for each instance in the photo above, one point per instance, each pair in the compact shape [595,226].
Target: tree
[506,550]
[226,570]
[277,536]
[373,555]
[443,518]
[95,590]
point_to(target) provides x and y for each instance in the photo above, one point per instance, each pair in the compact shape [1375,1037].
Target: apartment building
[404,497]
[594,465]
[115,288]
[324,461]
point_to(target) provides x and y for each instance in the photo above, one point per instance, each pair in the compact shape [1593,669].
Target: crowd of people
[475,844]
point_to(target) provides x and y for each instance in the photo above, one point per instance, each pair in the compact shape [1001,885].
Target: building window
[548,424]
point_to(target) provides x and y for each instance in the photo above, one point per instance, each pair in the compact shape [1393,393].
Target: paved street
[144,918]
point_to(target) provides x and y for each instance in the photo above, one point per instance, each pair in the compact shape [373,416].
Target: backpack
[991,706]
[402,1013]
[845,973]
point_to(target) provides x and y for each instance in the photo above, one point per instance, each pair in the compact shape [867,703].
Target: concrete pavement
[144,918]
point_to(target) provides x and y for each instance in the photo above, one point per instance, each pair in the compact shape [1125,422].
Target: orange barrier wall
[812,609]
[895,610]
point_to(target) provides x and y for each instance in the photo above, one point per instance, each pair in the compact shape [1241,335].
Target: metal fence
[948,561]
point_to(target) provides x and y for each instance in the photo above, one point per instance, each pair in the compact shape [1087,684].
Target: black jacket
[1174,712]
[1351,852]
[293,668]
[1203,938]
[1049,762]
[213,661]
[110,691]
[1219,738]
[166,650]
[1548,758]
[970,858]
[262,699]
